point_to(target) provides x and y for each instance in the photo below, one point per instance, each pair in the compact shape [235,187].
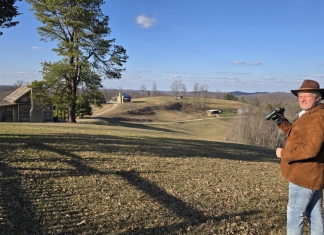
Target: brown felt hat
[309,85]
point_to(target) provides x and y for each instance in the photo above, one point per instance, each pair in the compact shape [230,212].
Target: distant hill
[235,93]
[241,93]
[6,90]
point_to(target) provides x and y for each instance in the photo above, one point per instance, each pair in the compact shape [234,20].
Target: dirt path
[105,111]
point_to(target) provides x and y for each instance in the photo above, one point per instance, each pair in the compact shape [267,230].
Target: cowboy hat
[309,85]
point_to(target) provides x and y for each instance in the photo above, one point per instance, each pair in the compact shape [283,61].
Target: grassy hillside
[167,113]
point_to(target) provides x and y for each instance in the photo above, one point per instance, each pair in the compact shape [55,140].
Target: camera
[274,113]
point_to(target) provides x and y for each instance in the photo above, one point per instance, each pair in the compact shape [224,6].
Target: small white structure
[242,111]
[213,112]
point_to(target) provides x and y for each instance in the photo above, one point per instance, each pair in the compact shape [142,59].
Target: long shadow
[150,146]
[126,123]
[18,211]
[21,212]
[18,205]
[192,216]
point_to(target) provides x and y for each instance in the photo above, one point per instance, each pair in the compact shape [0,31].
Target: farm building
[19,107]
[122,97]
[213,112]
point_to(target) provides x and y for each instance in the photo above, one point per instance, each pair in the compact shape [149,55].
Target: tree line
[253,129]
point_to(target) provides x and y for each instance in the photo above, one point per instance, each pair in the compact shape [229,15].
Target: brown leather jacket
[302,159]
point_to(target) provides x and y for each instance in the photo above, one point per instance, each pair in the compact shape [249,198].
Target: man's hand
[278,152]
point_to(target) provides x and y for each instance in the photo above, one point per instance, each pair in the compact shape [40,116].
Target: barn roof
[14,96]
[125,95]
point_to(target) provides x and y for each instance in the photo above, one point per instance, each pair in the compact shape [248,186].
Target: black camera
[274,113]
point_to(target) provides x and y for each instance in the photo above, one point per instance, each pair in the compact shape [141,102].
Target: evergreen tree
[7,12]
[81,30]
[229,96]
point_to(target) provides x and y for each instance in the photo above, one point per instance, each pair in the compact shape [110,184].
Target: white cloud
[245,63]
[255,63]
[37,48]
[267,78]
[240,73]
[145,21]
[319,75]
[239,62]
[175,77]
[225,79]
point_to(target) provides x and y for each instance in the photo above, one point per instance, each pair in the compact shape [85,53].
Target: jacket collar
[312,110]
[317,107]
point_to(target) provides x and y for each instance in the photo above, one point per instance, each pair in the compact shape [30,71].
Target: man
[302,160]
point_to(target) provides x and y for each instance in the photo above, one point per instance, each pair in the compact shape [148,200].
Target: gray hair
[316,94]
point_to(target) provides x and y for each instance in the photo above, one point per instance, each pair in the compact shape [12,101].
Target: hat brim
[321,91]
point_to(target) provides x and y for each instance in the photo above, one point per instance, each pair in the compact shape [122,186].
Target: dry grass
[135,179]
[162,109]
[121,178]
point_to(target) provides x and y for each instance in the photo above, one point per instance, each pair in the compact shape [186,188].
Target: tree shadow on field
[124,122]
[150,146]
[190,215]
[18,213]
[31,205]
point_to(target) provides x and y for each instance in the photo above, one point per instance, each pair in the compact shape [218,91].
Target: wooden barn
[20,107]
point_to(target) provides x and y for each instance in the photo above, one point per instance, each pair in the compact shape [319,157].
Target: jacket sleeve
[306,144]
[285,126]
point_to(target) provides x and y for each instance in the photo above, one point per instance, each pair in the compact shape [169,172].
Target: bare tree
[153,89]
[183,89]
[175,87]
[218,94]
[143,89]
[178,87]
[20,83]
[253,129]
[196,95]
[203,89]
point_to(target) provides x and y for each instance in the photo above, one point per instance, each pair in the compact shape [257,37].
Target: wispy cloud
[245,63]
[319,75]
[239,62]
[175,77]
[143,71]
[225,79]
[241,73]
[145,21]
[255,63]
[37,48]
[299,3]
[267,78]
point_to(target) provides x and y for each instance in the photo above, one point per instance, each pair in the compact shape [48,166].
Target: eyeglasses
[306,96]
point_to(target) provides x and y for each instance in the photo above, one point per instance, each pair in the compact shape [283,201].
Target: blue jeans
[304,202]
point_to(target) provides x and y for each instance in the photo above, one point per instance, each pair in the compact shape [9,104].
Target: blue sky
[228,45]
